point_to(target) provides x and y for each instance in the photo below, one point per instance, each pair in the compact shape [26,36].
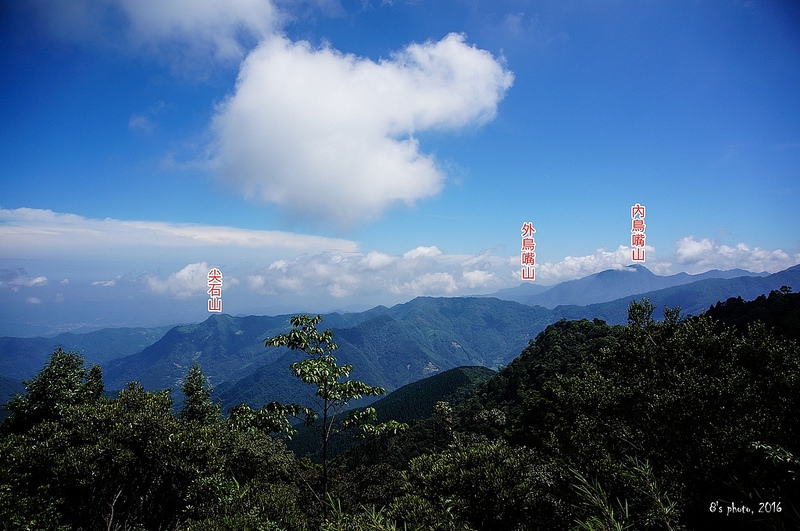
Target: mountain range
[21,358]
[609,285]
[390,347]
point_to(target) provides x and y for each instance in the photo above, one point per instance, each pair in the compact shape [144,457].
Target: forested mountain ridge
[779,311]
[395,346]
[679,424]
[416,401]
[20,358]
[422,337]
[705,407]
[685,423]
[390,346]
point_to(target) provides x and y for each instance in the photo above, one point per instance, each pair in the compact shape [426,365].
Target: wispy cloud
[139,123]
[330,137]
[190,35]
[145,122]
[14,279]
[36,232]
[205,28]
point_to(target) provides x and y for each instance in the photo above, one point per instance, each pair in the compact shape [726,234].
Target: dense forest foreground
[683,423]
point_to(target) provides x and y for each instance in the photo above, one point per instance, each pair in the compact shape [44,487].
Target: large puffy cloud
[328,136]
[324,135]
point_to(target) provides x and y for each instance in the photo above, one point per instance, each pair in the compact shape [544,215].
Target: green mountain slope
[409,342]
[8,388]
[412,402]
[222,344]
[21,358]
[415,401]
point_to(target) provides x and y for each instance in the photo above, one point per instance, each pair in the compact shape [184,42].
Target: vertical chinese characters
[215,290]
[637,232]
[527,255]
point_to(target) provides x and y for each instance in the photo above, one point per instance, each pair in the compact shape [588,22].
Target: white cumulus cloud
[478,278]
[572,267]
[430,284]
[189,281]
[422,252]
[709,254]
[420,271]
[323,135]
[330,137]
[694,256]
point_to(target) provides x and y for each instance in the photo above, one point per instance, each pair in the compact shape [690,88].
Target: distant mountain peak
[629,269]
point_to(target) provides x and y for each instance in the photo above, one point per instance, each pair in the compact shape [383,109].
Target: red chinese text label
[214,290]
[527,255]
[637,232]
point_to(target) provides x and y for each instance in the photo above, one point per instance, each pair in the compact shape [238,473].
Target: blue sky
[340,154]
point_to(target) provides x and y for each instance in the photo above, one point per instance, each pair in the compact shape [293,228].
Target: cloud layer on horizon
[63,271]
[30,232]
[709,254]
[691,256]
[276,262]
[424,270]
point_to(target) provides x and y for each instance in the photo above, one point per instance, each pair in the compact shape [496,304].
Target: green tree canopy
[62,383]
[197,404]
[334,390]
